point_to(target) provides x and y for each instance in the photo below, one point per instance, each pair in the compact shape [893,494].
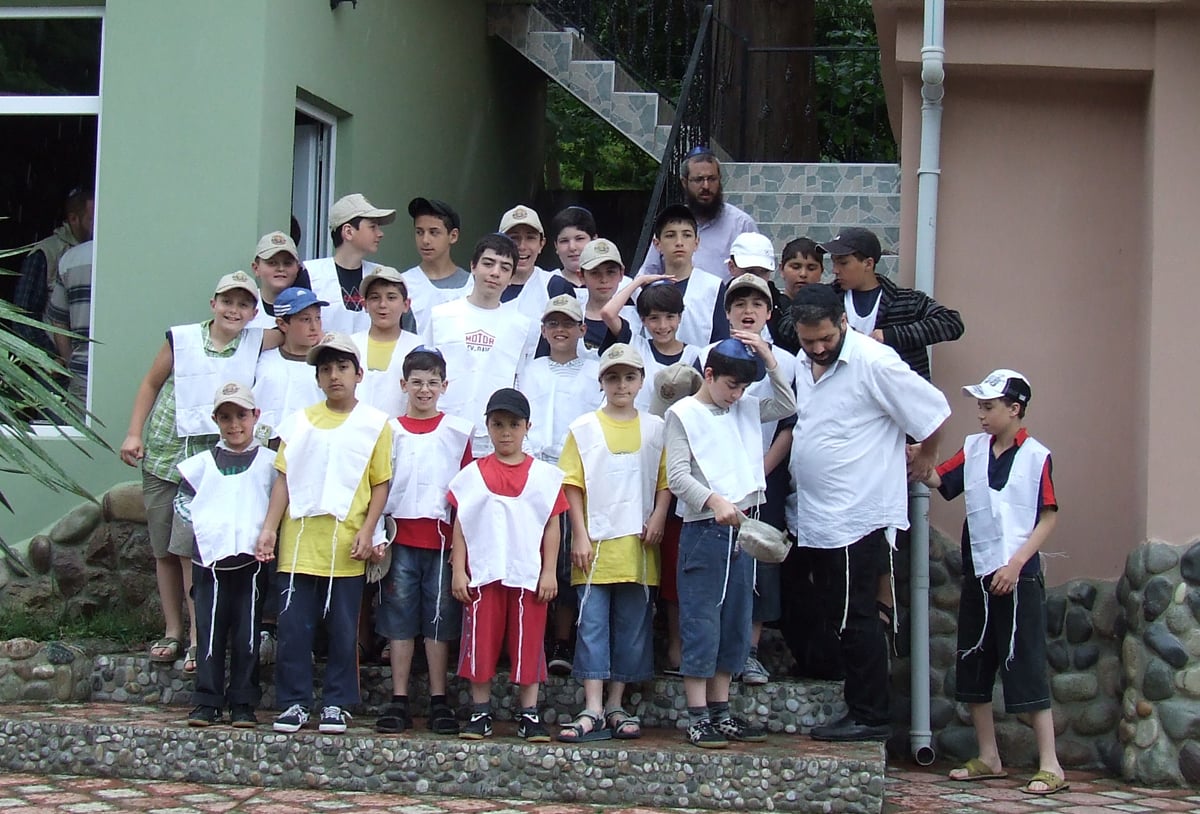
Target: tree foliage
[584,152]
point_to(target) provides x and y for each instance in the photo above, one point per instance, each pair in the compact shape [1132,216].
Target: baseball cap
[620,354]
[736,349]
[752,250]
[336,341]
[521,215]
[382,273]
[432,206]
[744,281]
[354,206]
[674,212]
[673,383]
[234,393]
[273,243]
[599,251]
[1002,383]
[238,279]
[508,400]
[853,239]
[564,304]
[294,300]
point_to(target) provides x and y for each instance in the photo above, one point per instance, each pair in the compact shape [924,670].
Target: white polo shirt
[848,444]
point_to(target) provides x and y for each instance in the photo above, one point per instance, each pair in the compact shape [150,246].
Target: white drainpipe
[932,74]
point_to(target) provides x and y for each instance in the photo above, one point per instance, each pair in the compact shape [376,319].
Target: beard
[830,356]
[706,211]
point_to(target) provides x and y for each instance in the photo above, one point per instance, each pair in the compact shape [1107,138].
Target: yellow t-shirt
[305,545]
[622,559]
[379,354]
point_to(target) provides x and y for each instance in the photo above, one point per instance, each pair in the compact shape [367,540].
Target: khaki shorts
[168,534]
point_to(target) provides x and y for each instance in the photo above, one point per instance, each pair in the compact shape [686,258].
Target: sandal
[171,645]
[587,727]
[189,661]
[976,769]
[623,725]
[1053,783]
[442,720]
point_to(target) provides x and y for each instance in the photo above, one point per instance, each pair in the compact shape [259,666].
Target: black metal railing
[690,129]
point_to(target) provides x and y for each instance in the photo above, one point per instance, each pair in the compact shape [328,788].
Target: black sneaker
[393,720]
[739,729]
[531,728]
[333,720]
[560,659]
[442,720]
[292,719]
[478,728]
[242,716]
[204,716]
[706,736]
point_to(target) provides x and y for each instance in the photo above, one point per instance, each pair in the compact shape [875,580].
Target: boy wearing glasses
[429,448]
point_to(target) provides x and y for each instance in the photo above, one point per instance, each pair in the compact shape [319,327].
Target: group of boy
[569,456]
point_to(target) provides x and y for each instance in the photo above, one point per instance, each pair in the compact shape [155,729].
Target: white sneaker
[754,673]
[292,719]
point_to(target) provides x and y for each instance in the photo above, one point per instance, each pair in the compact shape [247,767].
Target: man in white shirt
[856,399]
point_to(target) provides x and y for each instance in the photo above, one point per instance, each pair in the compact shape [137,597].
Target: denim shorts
[614,632]
[714,609]
[417,598]
[767,603]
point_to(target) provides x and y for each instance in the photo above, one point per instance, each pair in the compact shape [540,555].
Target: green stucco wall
[196,158]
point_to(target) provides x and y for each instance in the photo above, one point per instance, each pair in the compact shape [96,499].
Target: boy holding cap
[355,225]
[483,342]
[616,486]
[437,278]
[223,495]
[335,465]
[173,406]
[1005,475]
[277,267]
[753,253]
[505,545]
[560,387]
[715,467]
[283,382]
[676,240]
[383,346]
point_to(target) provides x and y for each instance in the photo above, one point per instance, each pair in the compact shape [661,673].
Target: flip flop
[976,769]
[574,731]
[1054,784]
[189,661]
[169,643]
[623,725]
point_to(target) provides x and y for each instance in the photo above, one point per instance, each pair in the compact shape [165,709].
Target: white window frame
[323,244]
[63,106]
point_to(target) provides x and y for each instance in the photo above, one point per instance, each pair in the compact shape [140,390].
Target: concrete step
[787,707]
[784,773]
[870,210]
[813,178]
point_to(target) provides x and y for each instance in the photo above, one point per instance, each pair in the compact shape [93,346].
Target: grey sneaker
[754,673]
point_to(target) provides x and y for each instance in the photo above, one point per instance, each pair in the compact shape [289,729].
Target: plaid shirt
[164,449]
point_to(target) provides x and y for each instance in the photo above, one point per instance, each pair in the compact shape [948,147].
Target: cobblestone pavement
[909,790]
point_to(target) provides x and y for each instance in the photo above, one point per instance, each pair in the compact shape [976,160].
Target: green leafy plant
[584,152]
[126,626]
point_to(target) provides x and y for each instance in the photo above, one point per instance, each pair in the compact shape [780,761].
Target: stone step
[788,707]
[815,178]
[869,209]
[784,773]
[782,232]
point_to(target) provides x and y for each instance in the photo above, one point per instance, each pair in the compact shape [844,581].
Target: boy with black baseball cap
[437,278]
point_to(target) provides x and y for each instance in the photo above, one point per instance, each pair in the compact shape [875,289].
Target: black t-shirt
[599,337]
[350,280]
[864,301]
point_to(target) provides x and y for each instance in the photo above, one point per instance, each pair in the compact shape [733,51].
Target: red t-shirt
[508,480]
[426,532]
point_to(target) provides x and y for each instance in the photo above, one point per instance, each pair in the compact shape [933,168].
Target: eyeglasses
[424,384]
[559,323]
[704,180]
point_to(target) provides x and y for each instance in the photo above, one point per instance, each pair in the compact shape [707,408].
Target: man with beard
[856,399]
[718,223]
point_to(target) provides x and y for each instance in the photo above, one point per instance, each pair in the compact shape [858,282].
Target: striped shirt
[71,303]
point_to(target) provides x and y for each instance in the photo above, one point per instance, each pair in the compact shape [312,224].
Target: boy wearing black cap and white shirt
[715,468]
[437,278]
[1005,475]
[505,546]
[355,224]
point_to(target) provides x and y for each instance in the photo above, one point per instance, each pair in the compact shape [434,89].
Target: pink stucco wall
[1065,235]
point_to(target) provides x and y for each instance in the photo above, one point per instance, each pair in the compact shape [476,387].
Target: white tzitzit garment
[198,375]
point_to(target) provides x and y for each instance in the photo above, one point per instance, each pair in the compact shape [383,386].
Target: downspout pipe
[932,75]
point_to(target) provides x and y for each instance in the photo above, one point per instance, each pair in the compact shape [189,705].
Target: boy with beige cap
[277,267]
[603,272]
[173,407]
[223,497]
[383,346]
[531,287]
[355,224]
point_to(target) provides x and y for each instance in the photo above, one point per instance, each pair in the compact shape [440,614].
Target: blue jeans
[714,609]
[613,636]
